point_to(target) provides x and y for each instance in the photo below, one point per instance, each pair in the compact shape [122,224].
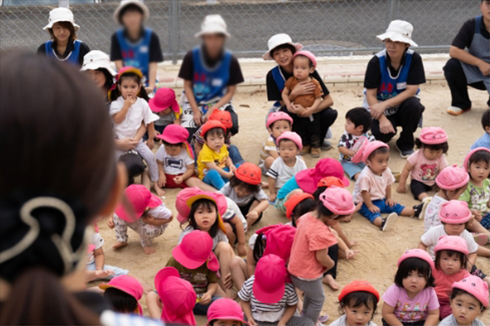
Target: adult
[471,67]
[211,74]
[281,50]
[97,65]
[63,44]
[392,81]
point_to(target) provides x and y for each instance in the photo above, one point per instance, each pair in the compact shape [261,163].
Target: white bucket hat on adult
[124,3]
[96,59]
[277,40]
[61,15]
[213,24]
[399,31]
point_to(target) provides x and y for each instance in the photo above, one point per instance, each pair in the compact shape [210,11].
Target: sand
[378,252]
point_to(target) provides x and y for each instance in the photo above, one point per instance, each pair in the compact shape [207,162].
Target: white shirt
[431,216]
[282,173]
[174,165]
[451,321]
[341,322]
[431,237]
[229,192]
[233,210]
[98,242]
[139,112]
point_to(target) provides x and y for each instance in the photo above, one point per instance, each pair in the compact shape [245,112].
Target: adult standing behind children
[392,81]
[63,44]
[134,44]
[472,67]
[211,74]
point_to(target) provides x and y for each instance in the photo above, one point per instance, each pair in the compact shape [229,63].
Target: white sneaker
[454,110]
[389,222]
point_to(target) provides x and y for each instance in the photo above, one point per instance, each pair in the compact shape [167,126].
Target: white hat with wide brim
[399,31]
[213,24]
[278,40]
[61,15]
[124,3]
[96,59]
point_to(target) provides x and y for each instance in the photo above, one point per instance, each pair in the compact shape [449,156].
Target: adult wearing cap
[392,81]
[134,44]
[281,50]
[470,61]
[63,45]
[210,74]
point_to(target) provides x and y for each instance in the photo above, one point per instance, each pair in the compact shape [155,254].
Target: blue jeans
[235,155]
[201,309]
[215,179]
[383,208]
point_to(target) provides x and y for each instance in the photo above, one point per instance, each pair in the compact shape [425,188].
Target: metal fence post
[174,30]
[393,10]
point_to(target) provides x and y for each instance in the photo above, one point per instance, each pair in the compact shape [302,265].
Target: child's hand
[149,90]
[349,254]
[162,180]
[390,202]
[252,322]
[401,189]
[110,222]
[129,101]
[242,250]
[374,209]
[477,215]
[232,169]
[198,119]
[178,179]
[229,175]
[272,197]
[253,215]
[148,219]
[103,274]
[150,143]
[205,299]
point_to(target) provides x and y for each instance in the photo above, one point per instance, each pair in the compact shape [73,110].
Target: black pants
[418,323]
[407,117]
[418,188]
[245,209]
[458,84]
[333,253]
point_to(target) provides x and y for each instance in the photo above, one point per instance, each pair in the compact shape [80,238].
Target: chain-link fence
[327,27]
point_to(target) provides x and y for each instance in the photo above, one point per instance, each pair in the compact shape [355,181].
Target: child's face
[485,9]
[165,112]
[214,44]
[288,150]
[173,150]
[431,154]
[215,141]
[129,87]
[60,33]
[487,130]
[414,282]
[279,127]
[361,315]
[454,229]
[132,20]
[479,171]
[227,322]
[466,308]
[97,77]
[379,163]
[395,49]
[283,56]
[301,68]
[241,191]
[449,264]
[455,194]
[205,217]
[351,128]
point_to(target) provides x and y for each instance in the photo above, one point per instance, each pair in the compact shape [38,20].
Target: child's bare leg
[238,269]
[407,211]
[475,226]
[224,253]
[196,182]
[483,252]
[268,162]
[422,196]
[378,221]
[299,293]
[145,179]
[250,220]
[356,176]
[330,281]
[158,190]
[229,233]
[118,245]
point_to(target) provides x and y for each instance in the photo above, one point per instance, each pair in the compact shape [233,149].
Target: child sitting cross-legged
[277,123]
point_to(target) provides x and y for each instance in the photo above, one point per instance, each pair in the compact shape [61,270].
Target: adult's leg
[377,132]
[300,126]
[408,117]
[327,118]
[456,80]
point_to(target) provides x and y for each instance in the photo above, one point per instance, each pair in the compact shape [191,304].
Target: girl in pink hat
[124,292]
[166,107]
[425,164]
[277,123]
[225,312]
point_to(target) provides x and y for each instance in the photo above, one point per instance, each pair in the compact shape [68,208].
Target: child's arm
[272,189]
[223,173]
[230,165]
[388,313]
[344,243]
[471,261]
[248,312]
[119,64]
[140,133]
[187,174]
[152,77]
[177,121]
[390,201]
[189,93]
[154,310]
[240,234]
[274,154]
[251,263]
[262,206]
[151,135]
[345,151]
[422,246]
[148,219]
[290,310]
[208,296]
[285,97]
[99,259]
[312,109]
[432,318]
[403,178]
[162,179]
[121,115]
[366,198]
[324,259]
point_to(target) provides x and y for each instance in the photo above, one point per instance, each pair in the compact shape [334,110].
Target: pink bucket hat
[455,212]
[187,196]
[327,167]
[369,147]
[433,136]
[164,98]
[338,201]
[308,54]
[452,177]
[467,158]
[196,249]
[270,279]
[176,134]
[279,240]
[292,136]
[276,116]
[474,286]
[177,295]
[225,309]
[140,199]
[452,242]
[417,253]
[126,284]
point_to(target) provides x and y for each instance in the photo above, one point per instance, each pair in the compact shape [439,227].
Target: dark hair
[206,203]
[323,211]
[465,224]
[414,264]
[109,79]
[285,139]
[358,299]
[214,132]
[360,117]
[485,119]
[381,150]
[235,182]
[129,7]
[456,292]
[436,147]
[462,257]
[310,63]
[283,46]
[211,322]
[121,301]
[172,145]
[66,25]
[259,246]
[129,75]
[479,156]
[305,206]
[318,192]
[272,124]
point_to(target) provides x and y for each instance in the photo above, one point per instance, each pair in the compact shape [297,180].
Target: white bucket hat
[399,31]
[96,59]
[277,40]
[124,3]
[213,24]
[61,15]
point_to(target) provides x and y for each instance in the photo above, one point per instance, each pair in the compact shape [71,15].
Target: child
[425,164]
[357,304]
[312,243]
[236,226]
[287,164]
[373,187]
[175,298]
[225,312]
[267,299]
[451,258]
[135,45]
[357,126]
[123,293]
[412,299]
[469,299]
[244,189]
[147,216]
[193,257]
[298,205]
[484,141]
[277,123]
[304,65]
[166,107]
[214,164]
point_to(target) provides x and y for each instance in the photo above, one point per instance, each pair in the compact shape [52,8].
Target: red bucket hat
[293,201]
[280,239]
[222,116]
[211,124]
[359,286]
[308,179]
[126,284]
[330,181]
[249,173]
[140,199]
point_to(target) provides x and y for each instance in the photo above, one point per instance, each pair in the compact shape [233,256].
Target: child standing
[123,293]
[287,164]
[225,312]
[425,164]
[277,123]
[298,205]
[412,299]
[484,141]
[166,107]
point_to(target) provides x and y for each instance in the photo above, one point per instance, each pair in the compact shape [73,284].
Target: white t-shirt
[233,210]
[229,192]
[341,322]
[174,165]
[139,112]
[431,217]
[220,236]
[97,241]
[282,173]
[431,237]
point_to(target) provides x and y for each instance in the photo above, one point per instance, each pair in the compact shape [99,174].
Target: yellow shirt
[207,155]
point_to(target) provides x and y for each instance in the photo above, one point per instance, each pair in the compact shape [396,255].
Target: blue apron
[72,57]
[136,54]
[280,81]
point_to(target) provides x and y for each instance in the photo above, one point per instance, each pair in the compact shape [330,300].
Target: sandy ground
[378,252]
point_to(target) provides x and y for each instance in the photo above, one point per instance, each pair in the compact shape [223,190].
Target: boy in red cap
[357,301]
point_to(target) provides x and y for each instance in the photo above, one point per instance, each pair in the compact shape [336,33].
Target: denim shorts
[383,208]
[351,169]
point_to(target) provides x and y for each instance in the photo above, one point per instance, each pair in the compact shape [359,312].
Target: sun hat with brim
[433,136]
[216,198]
[453,243]
[398,31]
[307,54]
[61,15]
[467,158]
[328,182]
[327,167]
[183,209]
[129,69]
[279,240]
[474,286]
[222,116]
[293,201]
[276,116]
[270,279]
[164,98]
[359,286]
[455,212]
[452,177]
[126,284]
[213,24]
[225,309]
[124,3]
[358,147]
[278,40]
[96,59]
[417,253]
[292,136]
[140,199]
[249,173]
[338,200]
[195,250]
[176,134]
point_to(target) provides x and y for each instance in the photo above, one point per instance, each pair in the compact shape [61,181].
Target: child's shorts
[485,221]
[383,209]
[117,271]
[351,169]
[418,188]
[279,205]
[171,183]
